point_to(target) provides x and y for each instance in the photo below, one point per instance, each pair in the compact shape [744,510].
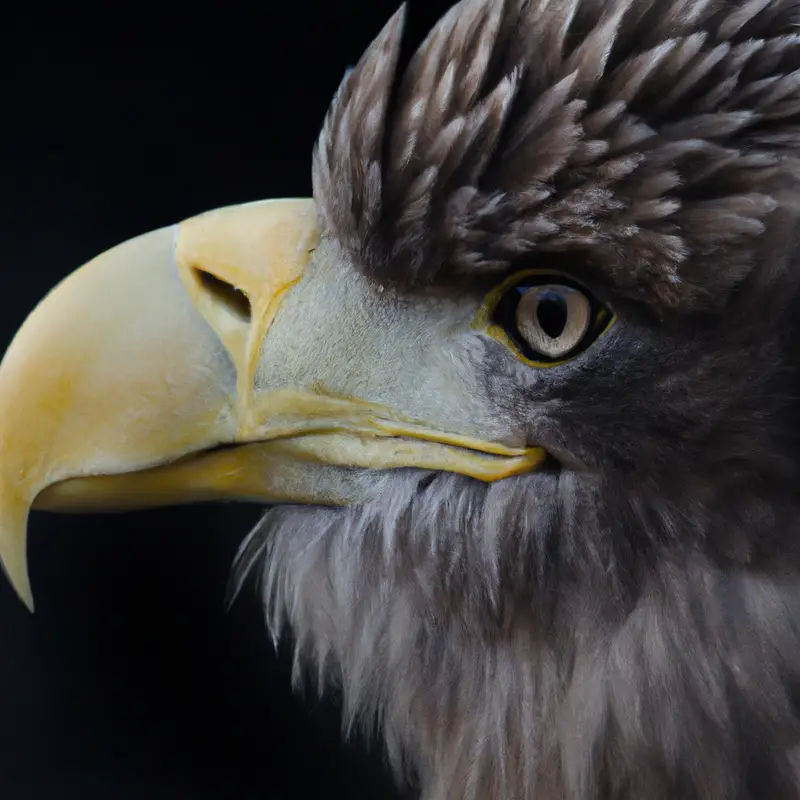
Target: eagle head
[519,387]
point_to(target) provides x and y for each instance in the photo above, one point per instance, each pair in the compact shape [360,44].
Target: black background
[130,681]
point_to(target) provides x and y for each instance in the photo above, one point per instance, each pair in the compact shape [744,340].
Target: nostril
[235,300]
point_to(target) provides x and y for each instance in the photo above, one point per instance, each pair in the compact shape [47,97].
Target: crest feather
[651,138]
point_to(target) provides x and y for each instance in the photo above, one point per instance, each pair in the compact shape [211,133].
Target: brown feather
[631,134]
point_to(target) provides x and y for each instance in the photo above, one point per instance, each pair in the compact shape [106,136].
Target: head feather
[652,140]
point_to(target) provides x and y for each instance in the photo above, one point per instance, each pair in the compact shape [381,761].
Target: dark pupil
[552,314]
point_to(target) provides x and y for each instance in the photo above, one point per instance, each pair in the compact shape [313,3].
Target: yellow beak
[139,382]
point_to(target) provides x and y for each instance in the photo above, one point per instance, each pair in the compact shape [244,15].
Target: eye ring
[545,317]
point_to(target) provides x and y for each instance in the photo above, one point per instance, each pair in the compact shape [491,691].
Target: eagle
[518,388]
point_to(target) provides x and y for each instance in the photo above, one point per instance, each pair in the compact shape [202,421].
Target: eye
[547,318]
[553,319]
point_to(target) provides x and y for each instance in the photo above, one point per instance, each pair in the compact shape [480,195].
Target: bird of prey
[519,388]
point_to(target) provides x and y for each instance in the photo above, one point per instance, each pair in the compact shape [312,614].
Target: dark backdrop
[130,681]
